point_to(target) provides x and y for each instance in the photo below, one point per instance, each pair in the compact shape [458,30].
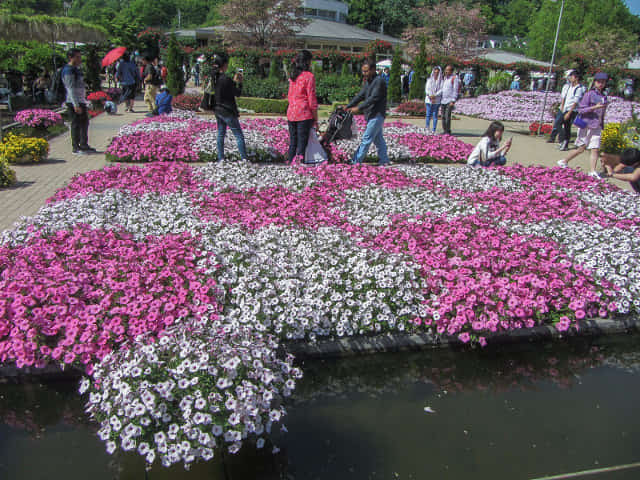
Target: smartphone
[241,70]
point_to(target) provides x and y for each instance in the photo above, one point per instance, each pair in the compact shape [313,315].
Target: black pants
[79,127]
[446,117]
[298,138]
[565,132]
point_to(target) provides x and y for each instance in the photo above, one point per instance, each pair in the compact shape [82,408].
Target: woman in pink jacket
[302,113]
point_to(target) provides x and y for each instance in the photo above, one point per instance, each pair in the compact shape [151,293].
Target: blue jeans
[432,112]
[373,134]
[298,138]
[234,125]
[496,161]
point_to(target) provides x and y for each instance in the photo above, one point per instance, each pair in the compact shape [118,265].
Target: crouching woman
[488,151]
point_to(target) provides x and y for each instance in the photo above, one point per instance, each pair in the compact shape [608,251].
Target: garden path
[38,182]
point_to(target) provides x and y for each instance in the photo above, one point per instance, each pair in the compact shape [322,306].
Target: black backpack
[57,90]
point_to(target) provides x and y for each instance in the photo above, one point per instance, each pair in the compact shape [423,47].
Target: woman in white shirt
[488,151]
[433,96]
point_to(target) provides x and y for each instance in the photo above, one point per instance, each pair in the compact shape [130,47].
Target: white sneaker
[594,174]
[563,163]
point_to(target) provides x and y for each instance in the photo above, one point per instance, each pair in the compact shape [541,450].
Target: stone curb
[386,342]
[403,342]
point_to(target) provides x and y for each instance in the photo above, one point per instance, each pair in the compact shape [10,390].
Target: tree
[262,23]
[92,68]
[580,20]
[610,48]
[416,90]
[274,69]
[395,85]
[448,30]
[175,78]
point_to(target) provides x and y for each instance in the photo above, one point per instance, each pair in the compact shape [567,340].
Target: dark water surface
[501,414]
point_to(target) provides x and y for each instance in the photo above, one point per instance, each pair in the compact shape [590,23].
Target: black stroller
[340,128]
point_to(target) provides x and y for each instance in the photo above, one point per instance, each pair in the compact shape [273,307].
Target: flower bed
[7,175]
[20,149]
[200,271]
[187,138]
[38,118]
[518,106]
[188,102]
[415,108]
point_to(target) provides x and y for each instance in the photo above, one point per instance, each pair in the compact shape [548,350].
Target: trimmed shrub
[395,87]
[332,88]
[7,175]
[263,105]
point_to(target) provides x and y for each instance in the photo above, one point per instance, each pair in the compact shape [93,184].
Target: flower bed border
[383,343]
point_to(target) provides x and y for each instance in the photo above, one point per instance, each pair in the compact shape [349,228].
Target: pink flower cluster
[153,146]
[161,177]
[38,118]
[76,295]
[483,278]
[435,148]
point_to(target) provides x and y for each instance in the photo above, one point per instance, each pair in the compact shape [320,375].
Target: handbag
[580,122]
[314,152]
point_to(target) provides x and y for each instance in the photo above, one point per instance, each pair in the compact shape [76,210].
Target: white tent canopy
[383,64]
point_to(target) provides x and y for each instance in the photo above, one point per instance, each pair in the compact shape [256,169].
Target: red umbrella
[113,55]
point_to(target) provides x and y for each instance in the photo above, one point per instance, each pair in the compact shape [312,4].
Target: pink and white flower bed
[185,137]
[172,285]
[516,106]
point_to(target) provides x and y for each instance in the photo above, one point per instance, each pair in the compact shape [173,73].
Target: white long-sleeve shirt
[483,151]
[433,88]
[450,89]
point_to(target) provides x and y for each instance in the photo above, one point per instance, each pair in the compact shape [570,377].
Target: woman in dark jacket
[226,110]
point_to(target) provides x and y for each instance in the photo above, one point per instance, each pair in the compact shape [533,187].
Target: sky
[634,6]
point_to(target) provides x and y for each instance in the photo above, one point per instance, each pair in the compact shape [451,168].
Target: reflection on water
[510,413]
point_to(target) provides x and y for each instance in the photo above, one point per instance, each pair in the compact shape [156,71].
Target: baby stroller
[339,128]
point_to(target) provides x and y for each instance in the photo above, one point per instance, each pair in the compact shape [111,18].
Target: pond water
[509,413]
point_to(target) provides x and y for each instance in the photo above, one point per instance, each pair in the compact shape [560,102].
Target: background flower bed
[21,149]
[184,137]
[517,106]
[221,262]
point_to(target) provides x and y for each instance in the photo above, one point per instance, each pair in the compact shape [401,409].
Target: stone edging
[402,342]
[387,342]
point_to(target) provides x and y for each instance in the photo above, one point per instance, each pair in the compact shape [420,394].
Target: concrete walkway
[37,182]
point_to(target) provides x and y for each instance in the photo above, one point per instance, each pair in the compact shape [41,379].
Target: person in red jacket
[302,113]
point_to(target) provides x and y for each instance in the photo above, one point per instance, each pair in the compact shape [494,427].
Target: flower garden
[519,106]
[175,285]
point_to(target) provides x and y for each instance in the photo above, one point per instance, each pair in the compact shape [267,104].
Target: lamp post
[553,59]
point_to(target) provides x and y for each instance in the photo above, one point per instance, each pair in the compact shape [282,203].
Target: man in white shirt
[569,109]
[450,91]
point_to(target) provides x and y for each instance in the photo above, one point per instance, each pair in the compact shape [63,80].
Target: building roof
[500,56]
[319,31]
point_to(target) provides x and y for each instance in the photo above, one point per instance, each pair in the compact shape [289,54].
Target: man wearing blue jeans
[372,102]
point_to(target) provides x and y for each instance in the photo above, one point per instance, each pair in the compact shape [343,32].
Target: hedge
[263,105]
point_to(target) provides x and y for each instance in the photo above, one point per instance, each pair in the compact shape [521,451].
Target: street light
[553,59]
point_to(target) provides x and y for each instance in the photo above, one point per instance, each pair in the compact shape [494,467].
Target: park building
[326,30]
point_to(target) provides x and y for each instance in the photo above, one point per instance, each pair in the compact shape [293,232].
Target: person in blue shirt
[163,101]
[129,77]
[515,85]
[386,75]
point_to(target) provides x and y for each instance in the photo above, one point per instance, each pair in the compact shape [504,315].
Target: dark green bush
[273,88]
[332,88]
[263,105]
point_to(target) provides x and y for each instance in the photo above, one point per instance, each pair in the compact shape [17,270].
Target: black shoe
[564,146]
[551,140]
[80,152]
[88,149]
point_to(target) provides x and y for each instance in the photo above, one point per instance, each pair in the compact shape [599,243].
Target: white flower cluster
[192,392]
[257,145]
[304,284]
[463,178]
[245,176]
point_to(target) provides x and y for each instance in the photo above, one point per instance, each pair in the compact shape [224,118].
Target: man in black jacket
[372,102]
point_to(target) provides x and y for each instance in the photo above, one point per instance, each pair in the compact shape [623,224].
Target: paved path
[37,182]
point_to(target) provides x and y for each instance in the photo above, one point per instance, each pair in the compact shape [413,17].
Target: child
[488,151]
[628,169]
[110,107]
[591,113]
[163,101]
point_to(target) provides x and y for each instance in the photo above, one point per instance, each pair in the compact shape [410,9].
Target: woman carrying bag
[226,109]
[302,113]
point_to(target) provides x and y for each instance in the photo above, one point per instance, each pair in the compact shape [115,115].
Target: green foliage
[274,69]
[92,68]
[263,105]
[498,81]
[29,57]
[395,87]
[7,175]
[273,88]
[175,78]
[370,14]
[345,69]
[336,88]
[416,90]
